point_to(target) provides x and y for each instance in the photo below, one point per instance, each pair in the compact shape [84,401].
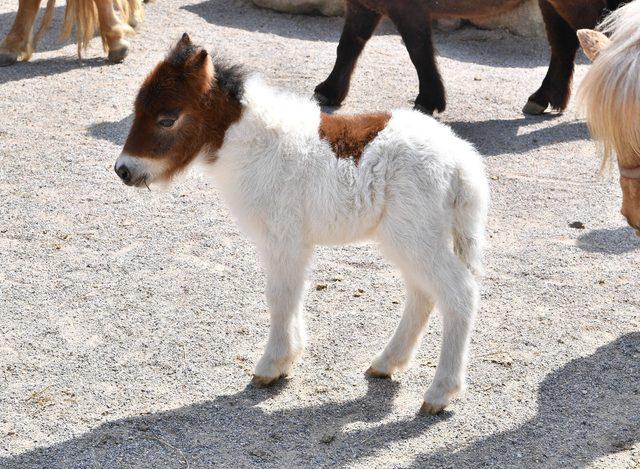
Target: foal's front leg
[18,43]
[285,288]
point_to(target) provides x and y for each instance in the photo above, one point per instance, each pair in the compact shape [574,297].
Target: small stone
[328,437]
[578,225]
[321,286]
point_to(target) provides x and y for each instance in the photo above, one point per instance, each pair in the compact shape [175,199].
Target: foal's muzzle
[130,170]
[123,172]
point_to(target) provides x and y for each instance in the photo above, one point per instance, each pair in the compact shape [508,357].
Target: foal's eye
[166,122]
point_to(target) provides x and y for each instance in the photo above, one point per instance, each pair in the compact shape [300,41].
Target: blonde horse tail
[45,24]
[82,14]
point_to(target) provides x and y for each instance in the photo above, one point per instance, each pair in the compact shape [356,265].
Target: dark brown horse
[413,20]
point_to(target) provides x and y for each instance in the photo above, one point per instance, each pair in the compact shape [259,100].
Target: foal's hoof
[373,373]
[265,381]
[533,108]
[429,408]
[8,58]
[118,55]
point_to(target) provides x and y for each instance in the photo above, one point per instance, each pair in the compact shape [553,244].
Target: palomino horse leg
[360,22]
[414,24]
[113,30]
[136,13]
[18,43]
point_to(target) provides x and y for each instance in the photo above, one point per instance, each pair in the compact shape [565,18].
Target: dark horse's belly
[453,8]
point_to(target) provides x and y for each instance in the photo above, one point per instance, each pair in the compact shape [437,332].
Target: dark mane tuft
[179,55]
[230,78]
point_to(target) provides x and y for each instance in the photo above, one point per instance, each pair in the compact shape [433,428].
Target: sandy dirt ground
[130,320]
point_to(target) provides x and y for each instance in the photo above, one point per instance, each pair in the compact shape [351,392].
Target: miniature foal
[295,178]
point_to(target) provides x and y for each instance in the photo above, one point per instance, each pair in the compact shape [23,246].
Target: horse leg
[136,13]
[414,25]
[555,88]
[113,31]
[360,22]
[19,42]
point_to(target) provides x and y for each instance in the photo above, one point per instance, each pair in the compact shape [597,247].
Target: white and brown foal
[295,178]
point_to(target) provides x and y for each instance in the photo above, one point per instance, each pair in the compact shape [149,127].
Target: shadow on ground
[497,137]
[589,408]
[610,241]
[114,132]
[47,67]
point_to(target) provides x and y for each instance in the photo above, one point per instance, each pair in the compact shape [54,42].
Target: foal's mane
[229,78]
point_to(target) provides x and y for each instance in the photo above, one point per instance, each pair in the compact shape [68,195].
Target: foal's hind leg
[360,22]
[429,263]
[18,43]
[414,24]
[556,87]
[402,345]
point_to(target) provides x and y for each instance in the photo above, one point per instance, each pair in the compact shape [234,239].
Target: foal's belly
[452,8]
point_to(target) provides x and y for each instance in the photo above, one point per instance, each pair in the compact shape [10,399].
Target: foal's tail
[470,209]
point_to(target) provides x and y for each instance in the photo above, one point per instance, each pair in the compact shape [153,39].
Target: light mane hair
[610,93]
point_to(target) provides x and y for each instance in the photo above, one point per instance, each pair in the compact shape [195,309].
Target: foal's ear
[200,66]
[185,40]
[592,42]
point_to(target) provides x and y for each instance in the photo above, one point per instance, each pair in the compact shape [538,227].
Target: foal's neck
[221,112]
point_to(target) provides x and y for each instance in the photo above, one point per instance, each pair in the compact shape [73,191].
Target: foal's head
[183,109]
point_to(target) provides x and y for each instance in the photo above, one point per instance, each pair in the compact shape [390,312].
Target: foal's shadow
[497,137]
[587,409]
[610,241]
[114,132]
[236,430]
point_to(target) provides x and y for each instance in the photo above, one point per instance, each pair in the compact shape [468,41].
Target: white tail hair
[609,95]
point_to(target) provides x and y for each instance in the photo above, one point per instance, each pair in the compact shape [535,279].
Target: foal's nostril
[123,172]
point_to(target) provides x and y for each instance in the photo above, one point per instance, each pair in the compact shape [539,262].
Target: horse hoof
[7,58]
[373,373]
[322,100]
[118,55]
[431,409]
[533,108]
[422,109]
[265,381]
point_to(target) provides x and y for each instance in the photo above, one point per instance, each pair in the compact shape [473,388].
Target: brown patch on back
[349,135]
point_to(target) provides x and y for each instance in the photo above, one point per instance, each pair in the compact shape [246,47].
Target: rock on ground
[525,20]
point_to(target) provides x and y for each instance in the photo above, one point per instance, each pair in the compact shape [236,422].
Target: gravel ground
[130,320]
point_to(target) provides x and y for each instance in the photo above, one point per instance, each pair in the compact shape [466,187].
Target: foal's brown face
[171,117]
